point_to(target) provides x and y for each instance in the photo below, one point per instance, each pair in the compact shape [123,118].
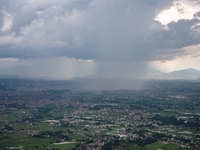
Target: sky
[105,39]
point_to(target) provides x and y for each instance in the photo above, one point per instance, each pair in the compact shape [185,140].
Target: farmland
[38,114]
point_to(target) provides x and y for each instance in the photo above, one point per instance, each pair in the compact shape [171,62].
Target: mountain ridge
[184,74]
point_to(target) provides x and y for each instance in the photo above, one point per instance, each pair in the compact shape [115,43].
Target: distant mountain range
[185,74]
[152,73]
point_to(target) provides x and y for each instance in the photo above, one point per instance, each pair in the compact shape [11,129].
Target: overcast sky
[103,38]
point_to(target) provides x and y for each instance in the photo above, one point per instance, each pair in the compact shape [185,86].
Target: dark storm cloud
[106,30]
[111,40]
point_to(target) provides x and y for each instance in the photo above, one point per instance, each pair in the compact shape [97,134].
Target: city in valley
[60,115]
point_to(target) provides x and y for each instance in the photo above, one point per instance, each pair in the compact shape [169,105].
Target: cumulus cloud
[100,30]
[7,21]
[181,9]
